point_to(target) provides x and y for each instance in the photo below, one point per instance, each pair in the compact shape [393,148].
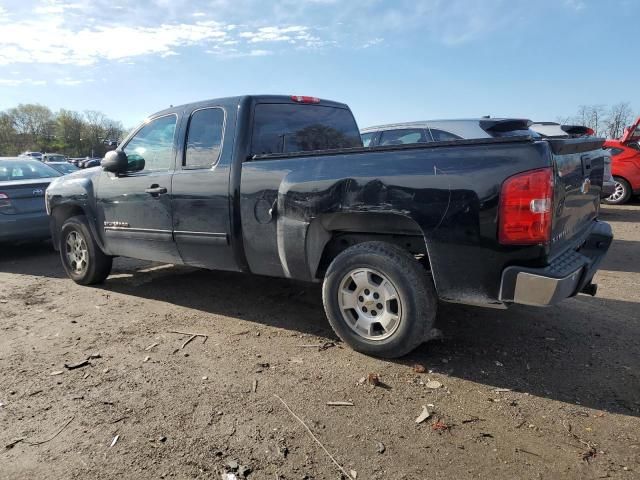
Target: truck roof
[235,101]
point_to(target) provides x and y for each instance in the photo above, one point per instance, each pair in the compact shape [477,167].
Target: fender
[73,195]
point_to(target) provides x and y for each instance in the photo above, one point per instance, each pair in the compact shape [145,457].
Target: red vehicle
[625,166]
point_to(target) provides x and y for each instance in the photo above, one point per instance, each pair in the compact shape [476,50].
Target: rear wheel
[621,192]
[81,256]
[379,299]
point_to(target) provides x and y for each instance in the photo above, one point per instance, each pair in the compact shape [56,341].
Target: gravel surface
[523,393]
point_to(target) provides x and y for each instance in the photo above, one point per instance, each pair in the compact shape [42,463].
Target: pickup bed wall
[448,193]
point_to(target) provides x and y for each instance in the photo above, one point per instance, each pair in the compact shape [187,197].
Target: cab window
[204,139]
[153,145]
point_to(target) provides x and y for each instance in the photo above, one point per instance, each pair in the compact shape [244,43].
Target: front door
[135,207]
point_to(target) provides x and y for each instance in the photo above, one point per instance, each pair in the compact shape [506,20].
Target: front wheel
[621,192]
[379,299]
[81,256]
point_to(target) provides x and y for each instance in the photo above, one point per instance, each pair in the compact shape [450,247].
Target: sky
[391,61]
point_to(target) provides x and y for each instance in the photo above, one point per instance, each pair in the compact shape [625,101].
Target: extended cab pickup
[282,186]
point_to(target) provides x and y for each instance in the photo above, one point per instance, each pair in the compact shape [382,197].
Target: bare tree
[619,116]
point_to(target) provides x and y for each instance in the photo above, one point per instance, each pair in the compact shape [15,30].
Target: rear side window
[403,136]
[442,136]
[283,128]
[366,139]
[204,139]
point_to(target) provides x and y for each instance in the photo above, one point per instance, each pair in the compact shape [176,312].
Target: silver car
[23,183]
[444,131]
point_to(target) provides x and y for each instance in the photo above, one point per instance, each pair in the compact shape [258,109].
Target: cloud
[18,82]
[72,82]
[576,5]
[61,32]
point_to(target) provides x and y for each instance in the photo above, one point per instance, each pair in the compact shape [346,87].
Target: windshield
[14,170]
[284,128]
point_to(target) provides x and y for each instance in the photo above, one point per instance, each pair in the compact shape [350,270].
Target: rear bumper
[21,227]
[566,276]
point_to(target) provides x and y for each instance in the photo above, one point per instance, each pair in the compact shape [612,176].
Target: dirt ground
[526,393]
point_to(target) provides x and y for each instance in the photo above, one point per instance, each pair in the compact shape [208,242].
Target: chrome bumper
[566,276]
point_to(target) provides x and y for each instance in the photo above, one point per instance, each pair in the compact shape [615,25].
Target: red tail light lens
[526,208]
[304,99]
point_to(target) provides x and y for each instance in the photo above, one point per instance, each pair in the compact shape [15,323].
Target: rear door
[135,208]
[200,192]
[579,172]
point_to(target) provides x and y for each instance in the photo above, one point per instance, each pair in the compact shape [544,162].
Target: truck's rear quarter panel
[449,192]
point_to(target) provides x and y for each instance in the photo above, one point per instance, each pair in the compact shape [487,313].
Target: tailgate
[579,172]
[23,196]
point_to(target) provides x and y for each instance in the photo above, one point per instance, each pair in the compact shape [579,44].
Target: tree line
[34,127]
[605,121]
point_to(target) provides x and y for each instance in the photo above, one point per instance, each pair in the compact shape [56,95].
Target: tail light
[304,99]
[526,206]
[590,132]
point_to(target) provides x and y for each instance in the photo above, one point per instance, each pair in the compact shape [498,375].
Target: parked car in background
[23,182]
[557,130]
[625,153]
[283,187]
[63,167]
[36,155]
[53,157]
[77,160]
[90,162]
[444,131]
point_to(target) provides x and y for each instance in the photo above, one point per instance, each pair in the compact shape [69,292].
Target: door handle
[155,190]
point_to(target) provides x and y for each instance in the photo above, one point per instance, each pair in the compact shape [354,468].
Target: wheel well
[353,229]
[60,215]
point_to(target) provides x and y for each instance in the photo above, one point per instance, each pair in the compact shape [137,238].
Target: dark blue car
[23,183]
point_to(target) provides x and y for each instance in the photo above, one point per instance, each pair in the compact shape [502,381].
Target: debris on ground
[419,368]
[335,462]
[373,379]
[254,387]
[440,427]
[150,347]
[192,337]
[340,404]
[114,441]
[146,359]
[434,384]
[380,447]
[58,372]
[424,415]
[499,364]
[353,473]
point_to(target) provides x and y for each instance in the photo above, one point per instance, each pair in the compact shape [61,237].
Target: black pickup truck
[282,186]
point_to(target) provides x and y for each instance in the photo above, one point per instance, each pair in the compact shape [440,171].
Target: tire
[352,308]
[81,256]
[621,194]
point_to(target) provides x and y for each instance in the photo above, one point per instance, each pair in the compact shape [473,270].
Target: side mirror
[136,163]
[115,161]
